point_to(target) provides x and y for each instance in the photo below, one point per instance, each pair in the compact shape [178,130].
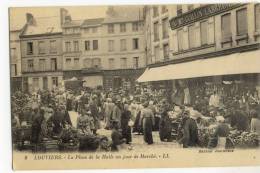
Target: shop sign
[200,13]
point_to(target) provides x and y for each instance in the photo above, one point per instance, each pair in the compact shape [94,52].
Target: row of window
[165,29]
[136,26]
[156,10]
[36,82]
[123,44]
[42,45]
[111,45]
[226,28]
[42,65]
[68,46]
[165,48]
[96,63]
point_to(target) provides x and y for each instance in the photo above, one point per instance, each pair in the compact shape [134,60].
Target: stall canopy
[238,63]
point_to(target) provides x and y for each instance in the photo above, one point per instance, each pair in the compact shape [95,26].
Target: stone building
[15,58]
[109,51]
[41,53]
[209,40]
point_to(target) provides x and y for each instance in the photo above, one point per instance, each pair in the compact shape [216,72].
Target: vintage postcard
[135,86]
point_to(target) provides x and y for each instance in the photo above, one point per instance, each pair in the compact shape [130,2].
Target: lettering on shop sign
[200,13]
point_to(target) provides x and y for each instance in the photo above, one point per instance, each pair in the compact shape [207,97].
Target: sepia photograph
[121,86]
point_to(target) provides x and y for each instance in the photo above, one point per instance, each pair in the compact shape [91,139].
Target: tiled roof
[92,22]
[44,25]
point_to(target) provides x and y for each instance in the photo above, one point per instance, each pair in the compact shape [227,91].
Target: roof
[92,22]
[43,25]
[116,14]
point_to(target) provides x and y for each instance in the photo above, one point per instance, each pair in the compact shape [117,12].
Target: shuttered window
[180,39]
[226,26]
[204,32]
[242,22]
[192,36]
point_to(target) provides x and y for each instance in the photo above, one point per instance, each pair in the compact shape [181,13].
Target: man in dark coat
[94,113]
[148,121]
[190,136]
[126,129]
[165,127]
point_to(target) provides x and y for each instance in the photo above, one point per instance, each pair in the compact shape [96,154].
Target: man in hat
[116,114]
[108,109]
[147,120]
[190,136]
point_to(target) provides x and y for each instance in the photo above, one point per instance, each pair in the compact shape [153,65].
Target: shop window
[135,43]
[242,22]
[122,27]
[95,44]
[87,45]
[29,47]
[204,32]
[226,26]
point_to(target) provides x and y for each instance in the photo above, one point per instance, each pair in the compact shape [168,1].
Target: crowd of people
[46,116]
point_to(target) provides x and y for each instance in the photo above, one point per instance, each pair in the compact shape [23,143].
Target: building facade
[196,29]
[109,51]
[41,53]
[203,32]
[15,59]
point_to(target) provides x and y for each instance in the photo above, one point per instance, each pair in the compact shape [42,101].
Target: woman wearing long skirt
[148,122]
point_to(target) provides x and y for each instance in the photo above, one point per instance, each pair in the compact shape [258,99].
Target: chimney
[29,18]
[63,14]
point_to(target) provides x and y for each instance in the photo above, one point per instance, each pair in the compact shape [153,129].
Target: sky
[17,16]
